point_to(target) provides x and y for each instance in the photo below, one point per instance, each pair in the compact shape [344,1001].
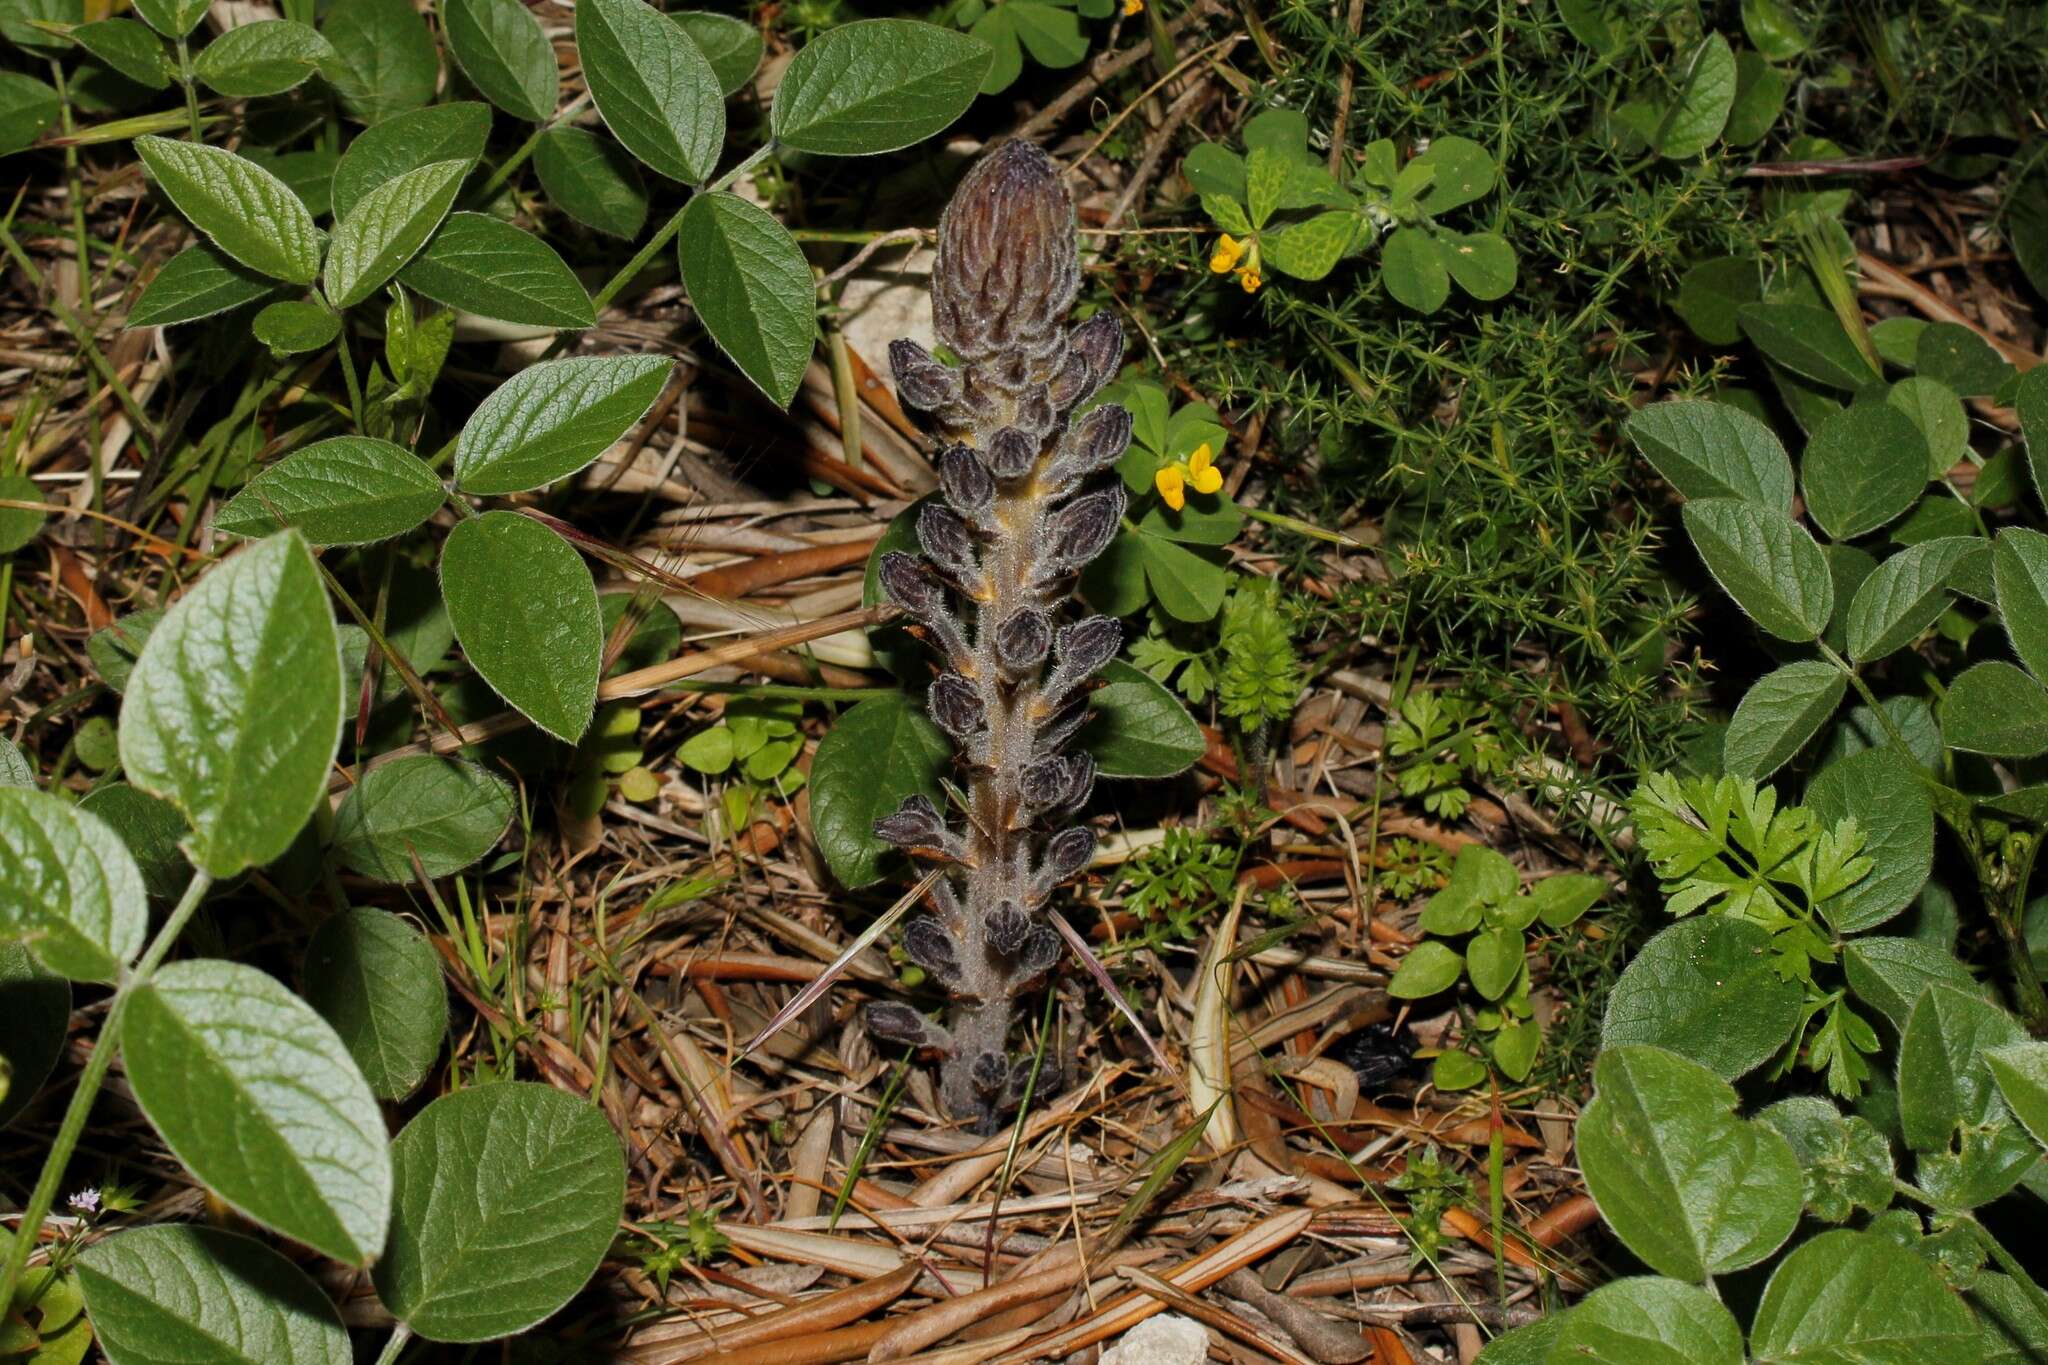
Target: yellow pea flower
[1198,471]
[1133,7]
[1251,281]
[1229,251]
[1172,485]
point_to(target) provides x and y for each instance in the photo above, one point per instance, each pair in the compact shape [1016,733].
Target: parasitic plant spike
[1025,510]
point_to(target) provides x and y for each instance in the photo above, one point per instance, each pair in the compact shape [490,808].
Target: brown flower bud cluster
[1024,509]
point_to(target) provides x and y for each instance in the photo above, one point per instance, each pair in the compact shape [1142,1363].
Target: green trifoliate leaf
[179,1292]
[876,85]
[752,288]
[525,609]
[377,980]
[248,213]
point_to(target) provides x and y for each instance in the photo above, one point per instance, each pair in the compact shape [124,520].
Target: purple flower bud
[1087,645]
[1072,382]
[1100,341]
[1007,266]
[906,582]
[1035,411]
[956,705]
[1011,453]
[1101,438]
[1081,530]
[948,542]
[1066,853]
[991,1074]
[1080,780]
[932,946]
[895,1022]
[1057,780]
[1022,640]
[1040,951]
[966,481]
[914,824]
[1063,726]
[1007,928]
[921,380]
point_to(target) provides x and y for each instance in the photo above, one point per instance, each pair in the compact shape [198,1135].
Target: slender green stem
[632,268]
[89,1081]
[490,187]
[191,94]
[348,368]
[1884,718]
[400,1335]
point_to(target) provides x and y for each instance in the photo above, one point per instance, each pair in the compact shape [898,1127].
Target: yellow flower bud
[1133,7]
[1229,251]
[1251,281]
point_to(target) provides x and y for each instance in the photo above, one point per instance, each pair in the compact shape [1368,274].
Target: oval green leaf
[500,46]
[1807,340]
[1428,968]
[2019,571]
[388,225]
[294,326]
[1688,1186]
[68,887]
[1882,792]
[876,754]
[592,180]
[1780,712]
[1647,1320]
[1139,729]
[445,812]
[1904,596]
[654,89]
[1889,974]
[508,1197]
[347,490]
[752,288]
[248,213]
[552,419]
[1994,708]
[481,265]
[256,1094]
[1766,562]
[406,142]
[877,85]
[179,1292]
[1706,93]
[1864,466]
[377,980]
[233,713]
[732,46]
[385,60]
[151,829]
[128,47]
[198,282]
[1850,1298]
[1713,450]
[267,57]
[1706,989]
[525,610]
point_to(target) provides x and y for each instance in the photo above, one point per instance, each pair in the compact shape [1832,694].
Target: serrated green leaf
[233,713]
[1848,1296]
[508,1197]
[248,213]
[1139,729]
[385,59]
[406,142]
[1994,708]
[377,980]
[877,85]
[179,1292]
[500,46]
[591,179]
[387,227]
[1766,562]
[732,46]
[267,57]
[255,1093]
[1689,1187]
[655,90]
[1777,716]
[1903,597]
[525,610]
[1712,450]
[449,814]
[550,420]
[1864,466]
[482,265]
[1706,989]
[753,290]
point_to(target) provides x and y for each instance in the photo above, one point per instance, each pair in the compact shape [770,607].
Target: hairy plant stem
[44,1196]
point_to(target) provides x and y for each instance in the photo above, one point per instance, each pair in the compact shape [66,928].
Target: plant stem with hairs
[1023,511]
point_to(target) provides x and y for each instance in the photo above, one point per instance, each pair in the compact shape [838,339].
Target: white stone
[1164,1339]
